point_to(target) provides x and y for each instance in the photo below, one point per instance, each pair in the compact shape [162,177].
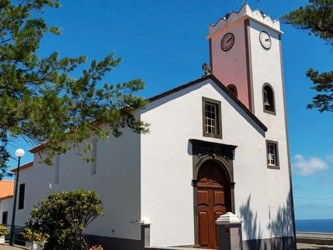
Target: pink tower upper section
[233,67]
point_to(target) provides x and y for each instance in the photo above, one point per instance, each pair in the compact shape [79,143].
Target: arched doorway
[213,200]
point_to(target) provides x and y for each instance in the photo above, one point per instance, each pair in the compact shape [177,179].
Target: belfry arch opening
[268,98]
[233,89]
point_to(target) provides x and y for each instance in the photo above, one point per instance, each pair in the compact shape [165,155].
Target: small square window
[211,112]
[272,154]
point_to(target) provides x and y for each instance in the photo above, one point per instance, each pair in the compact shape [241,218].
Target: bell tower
[245,55]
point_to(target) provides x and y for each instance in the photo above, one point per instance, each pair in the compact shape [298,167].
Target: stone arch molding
[222,162]
[223,154]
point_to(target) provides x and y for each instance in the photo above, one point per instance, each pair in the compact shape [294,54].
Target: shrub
[35,236]
[3,230]
[64,216]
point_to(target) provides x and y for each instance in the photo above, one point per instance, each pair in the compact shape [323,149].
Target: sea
[320,226]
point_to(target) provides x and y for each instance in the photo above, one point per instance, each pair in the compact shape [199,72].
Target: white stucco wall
[267,68]
[148,177]
[166,166]
[116,181]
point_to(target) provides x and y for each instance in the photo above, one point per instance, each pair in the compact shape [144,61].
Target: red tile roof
[6,189]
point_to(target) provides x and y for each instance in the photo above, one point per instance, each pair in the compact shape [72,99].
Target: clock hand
[229,39]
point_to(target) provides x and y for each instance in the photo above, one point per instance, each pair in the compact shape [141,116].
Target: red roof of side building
[6,189]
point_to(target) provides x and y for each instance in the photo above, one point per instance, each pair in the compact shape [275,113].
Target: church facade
[216,144]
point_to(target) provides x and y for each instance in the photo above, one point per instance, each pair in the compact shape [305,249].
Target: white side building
[216,144]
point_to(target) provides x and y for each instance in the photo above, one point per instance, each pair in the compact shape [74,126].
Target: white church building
[216,144]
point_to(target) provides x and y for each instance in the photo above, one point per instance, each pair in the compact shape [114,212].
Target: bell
[266,103]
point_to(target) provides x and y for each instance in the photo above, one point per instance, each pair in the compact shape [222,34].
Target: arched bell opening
[268,98]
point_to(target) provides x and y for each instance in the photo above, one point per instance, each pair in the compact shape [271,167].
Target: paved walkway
[300,246]
[6,247]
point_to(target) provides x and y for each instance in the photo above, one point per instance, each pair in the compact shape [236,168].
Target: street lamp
[19,154]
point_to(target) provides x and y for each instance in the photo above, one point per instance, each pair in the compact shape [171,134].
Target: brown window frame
[218,118]
[277,162]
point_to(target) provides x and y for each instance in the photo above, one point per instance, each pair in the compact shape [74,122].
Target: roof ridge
[222,86]
[184,86]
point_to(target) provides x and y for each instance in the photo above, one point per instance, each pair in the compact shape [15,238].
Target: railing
[18,237]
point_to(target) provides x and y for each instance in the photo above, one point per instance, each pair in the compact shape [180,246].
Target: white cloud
[308,166]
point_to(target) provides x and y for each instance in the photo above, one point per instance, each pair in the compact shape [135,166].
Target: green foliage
[41,101]
[64,216]
[323,83]
[317,17]
[35,236]
[3,230]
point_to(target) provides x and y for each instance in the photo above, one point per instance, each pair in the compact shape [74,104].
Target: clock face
[265,40]
[227,41]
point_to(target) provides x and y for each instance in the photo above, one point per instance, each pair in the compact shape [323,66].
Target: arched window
[268,99]
[233,89]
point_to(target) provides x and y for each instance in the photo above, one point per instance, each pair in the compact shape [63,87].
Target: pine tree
[317,18]
[41,101]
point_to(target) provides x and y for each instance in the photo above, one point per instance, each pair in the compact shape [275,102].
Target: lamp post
[19,154]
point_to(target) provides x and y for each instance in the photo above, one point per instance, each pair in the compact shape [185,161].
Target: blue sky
[163,43]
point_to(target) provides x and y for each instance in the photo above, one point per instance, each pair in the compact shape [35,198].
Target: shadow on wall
[251,226]
[280,227]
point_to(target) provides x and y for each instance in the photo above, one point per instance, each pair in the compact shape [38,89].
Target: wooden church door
[211,202]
